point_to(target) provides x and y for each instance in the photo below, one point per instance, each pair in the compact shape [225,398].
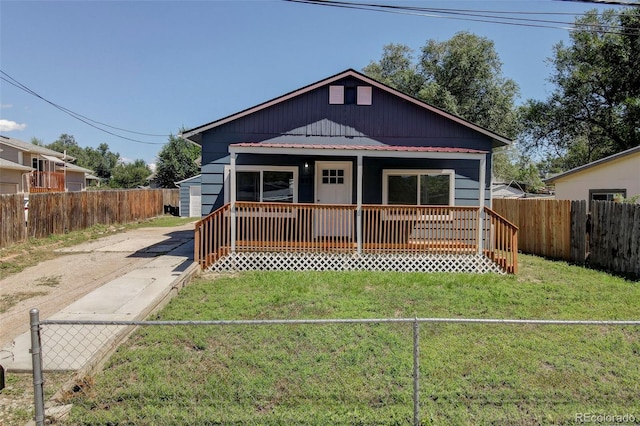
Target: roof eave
[194,134]
[592,164]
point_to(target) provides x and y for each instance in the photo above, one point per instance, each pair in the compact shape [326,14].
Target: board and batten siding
[310,119]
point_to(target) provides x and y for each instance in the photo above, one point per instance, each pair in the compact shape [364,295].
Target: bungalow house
[601,180]
[348,173]
[26,168]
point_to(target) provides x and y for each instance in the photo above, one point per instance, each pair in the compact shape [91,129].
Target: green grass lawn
[362,374]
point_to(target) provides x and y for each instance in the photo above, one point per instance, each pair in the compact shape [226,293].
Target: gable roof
[596,163]
[194,179]
[10,165]
[29,147]
[194,134]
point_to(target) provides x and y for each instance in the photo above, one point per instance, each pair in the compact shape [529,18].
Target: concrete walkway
[132,296]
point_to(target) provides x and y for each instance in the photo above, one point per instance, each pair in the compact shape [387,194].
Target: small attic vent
[345,95]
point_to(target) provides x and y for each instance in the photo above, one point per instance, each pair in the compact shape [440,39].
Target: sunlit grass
[362,374]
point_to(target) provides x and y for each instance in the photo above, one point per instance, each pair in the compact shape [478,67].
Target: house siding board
[184,200]
[10,153]
[388,120]
[212,194]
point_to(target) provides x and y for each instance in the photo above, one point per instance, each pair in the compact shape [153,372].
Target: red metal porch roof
[362,147]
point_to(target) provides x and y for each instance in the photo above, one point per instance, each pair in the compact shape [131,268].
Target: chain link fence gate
[395,384]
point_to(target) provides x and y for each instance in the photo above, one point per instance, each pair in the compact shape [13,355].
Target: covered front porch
[414,226]
[285,236]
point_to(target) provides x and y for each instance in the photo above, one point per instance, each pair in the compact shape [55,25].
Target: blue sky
[156,66]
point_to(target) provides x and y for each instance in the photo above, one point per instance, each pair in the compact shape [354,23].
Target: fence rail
[413,380]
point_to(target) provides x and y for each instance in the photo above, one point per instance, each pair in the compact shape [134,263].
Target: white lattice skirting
[261,261]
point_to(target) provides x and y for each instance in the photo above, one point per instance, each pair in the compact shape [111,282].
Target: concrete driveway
[118,277]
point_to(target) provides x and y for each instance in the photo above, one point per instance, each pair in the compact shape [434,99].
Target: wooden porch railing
[46,182]
[285,227]
[501,241]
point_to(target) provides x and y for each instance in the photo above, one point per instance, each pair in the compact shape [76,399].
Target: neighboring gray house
[507,190]
[26,168]
[346,148]
[190,200]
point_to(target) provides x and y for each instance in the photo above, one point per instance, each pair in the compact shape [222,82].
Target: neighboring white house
[602,179]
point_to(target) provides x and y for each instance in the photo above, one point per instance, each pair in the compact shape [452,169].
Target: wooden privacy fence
[12,224]
[615,237]
[57,213]
[608,238]
[544,225]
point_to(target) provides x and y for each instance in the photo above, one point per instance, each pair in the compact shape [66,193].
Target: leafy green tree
[68,143]
[594,110]
[130,175]
[101,160]
[176,162]
[462,75]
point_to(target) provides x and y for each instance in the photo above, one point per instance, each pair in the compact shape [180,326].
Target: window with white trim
[274,184]
[418,187]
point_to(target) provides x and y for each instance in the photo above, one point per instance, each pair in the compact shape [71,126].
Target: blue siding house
[349,172]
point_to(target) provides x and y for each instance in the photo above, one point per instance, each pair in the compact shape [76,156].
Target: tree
[130,175]
[463,76]
[67,143]
[100,160]
[594,110]
[176,162]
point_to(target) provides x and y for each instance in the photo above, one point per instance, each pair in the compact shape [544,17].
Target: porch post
[359,205]
[232,197]
[481,198]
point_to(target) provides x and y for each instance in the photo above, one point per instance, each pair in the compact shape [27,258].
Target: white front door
[333,186]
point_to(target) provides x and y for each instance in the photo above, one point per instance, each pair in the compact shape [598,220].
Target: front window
[418,187]
[271,184]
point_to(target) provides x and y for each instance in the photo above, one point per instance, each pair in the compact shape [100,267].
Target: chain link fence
[334,371]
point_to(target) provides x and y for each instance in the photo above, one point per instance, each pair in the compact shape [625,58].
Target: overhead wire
[86,120]
[484,16]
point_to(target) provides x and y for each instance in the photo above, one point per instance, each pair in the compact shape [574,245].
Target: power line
[86,120]
[485,16]
[609,2]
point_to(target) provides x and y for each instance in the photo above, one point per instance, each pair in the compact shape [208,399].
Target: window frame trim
[261,169]
[418,172]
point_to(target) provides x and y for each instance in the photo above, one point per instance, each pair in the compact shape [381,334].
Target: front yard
[362,374]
